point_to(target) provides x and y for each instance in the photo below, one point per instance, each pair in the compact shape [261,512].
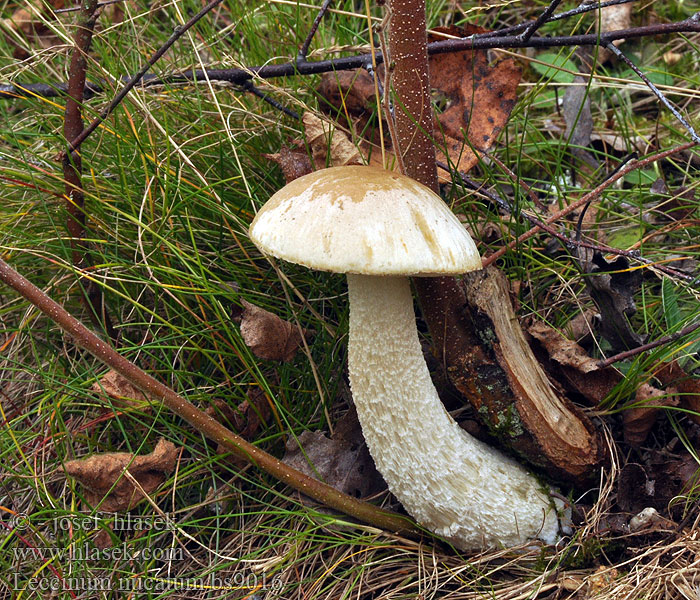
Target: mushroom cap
[364,220]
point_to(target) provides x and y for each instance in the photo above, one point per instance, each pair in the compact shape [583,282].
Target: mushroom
[379,228]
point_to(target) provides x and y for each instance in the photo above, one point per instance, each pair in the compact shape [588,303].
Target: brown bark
[512,393]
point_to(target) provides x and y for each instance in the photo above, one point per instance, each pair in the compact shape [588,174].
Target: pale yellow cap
[364,220]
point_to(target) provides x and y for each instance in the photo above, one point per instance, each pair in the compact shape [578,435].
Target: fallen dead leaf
[348,97]
[294,161]
[478,98]
[601,579]
[342,461]
[676,206]
[612,286]
[28,27]
[688,387]
[102,476]
[671,57]
[328,142]
[246,420]
[267,335]
[581,326]
[120,391]
[638,421]
[657,483]
[612,18]
[580,371]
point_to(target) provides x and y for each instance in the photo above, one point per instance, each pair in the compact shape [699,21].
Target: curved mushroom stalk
[452,484]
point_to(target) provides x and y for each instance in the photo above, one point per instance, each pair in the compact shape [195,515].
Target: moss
[505,424]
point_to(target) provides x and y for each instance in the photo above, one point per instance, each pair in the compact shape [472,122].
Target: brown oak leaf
[102,475]
[267,335]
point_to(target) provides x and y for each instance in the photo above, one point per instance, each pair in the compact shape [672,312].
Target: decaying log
[489,361]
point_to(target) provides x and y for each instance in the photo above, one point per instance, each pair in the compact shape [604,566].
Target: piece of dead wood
[503,381]
[104,481]
[267,335]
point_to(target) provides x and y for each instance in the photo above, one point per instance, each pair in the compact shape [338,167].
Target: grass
[172,180]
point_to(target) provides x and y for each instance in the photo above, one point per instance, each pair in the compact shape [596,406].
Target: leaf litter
[103,479]
[478,96]
[268,336]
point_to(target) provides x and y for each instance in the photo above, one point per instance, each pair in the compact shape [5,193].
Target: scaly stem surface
[453,484]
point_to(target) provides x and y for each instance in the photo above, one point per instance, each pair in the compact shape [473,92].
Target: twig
[672,337]
[541,20]
[203,423]
[584,8]
[518,180]
[304,50]
[249,87]
[568,242]
[72,169]
[592,195]
[674,111]
[238,76]
[177,34]
[77,8]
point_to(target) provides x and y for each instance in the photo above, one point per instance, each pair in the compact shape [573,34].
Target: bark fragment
[500,377]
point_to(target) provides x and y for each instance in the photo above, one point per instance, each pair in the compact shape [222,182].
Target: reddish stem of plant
[203,423]
[589,197]
[72,167]
[410,80]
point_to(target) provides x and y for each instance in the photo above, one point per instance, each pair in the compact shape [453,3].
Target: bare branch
[480,41]
[202,422]
[674,111]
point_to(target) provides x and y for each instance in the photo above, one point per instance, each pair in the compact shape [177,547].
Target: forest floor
[170,182]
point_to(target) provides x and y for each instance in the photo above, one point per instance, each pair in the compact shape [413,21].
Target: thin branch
[584,8]
[567,241]
[592,195]
[672,337]
[674,111]
[238,76]
[177,34]
[304,50]
[541,20]
[91,293]
[248,86]
[202,422]
[77,8]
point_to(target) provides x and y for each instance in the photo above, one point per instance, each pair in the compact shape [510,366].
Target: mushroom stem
[450,482]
